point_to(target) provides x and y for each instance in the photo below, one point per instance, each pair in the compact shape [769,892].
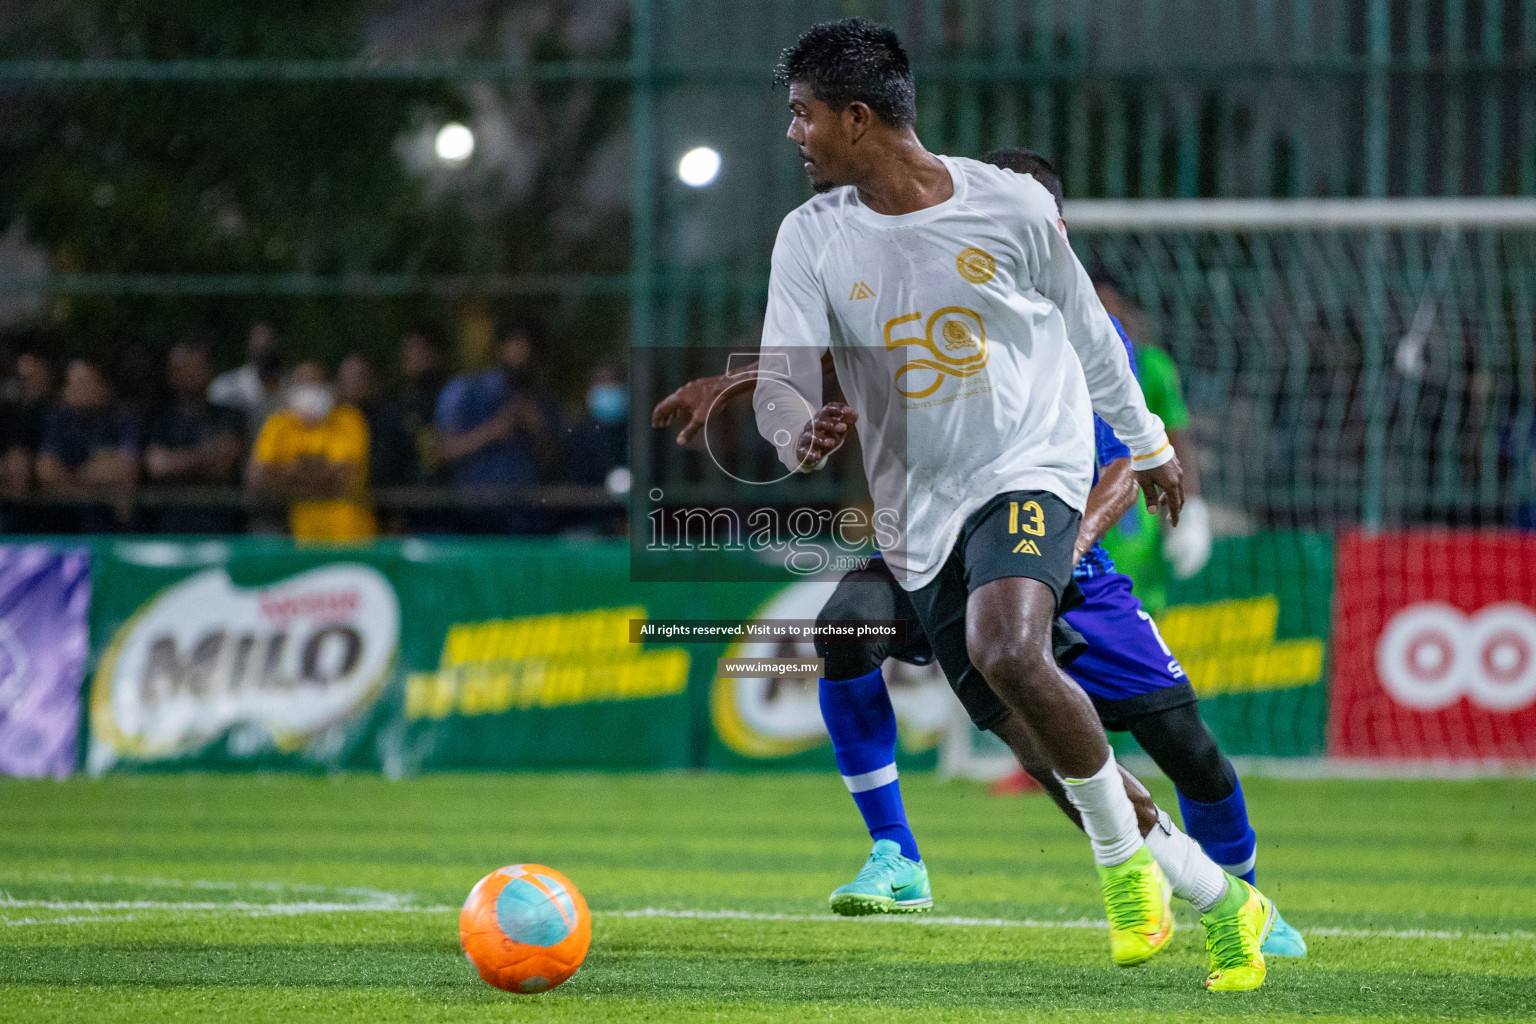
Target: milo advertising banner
[407,656]
[217,654]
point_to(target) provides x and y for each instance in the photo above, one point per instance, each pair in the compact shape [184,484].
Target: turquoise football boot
[888,884]
[1284,940]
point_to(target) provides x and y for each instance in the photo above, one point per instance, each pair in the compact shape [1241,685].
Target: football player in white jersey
[974,353]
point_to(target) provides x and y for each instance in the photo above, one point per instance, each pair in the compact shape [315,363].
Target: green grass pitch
[256,898]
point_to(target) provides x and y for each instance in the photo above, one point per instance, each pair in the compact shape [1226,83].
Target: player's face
[821,137]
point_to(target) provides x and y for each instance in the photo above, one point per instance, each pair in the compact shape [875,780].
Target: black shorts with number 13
[1017,533]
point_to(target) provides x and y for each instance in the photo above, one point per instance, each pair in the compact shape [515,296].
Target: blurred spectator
[138,380]
[190,440]
[29,398]
[496,431]
[599,444]
[255,388]
[89,450]
[421,381]
[313,453]
[599,449]
[391,453]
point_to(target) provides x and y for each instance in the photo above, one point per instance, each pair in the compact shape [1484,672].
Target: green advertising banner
[413,656]
[523,657]
[405,656]
[1251,629]
[248,653]
[775,721]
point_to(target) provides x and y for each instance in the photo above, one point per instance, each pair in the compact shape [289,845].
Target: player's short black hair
[1027,161]
[853,59]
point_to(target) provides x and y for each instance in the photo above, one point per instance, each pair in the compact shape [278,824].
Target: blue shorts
[1127,670]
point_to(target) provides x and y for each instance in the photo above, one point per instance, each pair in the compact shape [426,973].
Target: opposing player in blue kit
[1133,679]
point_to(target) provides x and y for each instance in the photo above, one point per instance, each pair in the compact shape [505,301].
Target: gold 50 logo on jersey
[954,336]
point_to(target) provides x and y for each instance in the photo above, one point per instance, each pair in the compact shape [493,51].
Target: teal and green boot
[1284,940]
[888,884]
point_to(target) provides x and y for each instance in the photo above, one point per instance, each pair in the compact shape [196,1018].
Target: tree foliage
[270,177]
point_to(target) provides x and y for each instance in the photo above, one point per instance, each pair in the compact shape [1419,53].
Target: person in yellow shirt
[313,453]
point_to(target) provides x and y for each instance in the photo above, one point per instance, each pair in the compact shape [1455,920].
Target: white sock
[1191,874]
[1108,816]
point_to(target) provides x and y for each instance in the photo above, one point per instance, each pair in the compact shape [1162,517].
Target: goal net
[1360,378]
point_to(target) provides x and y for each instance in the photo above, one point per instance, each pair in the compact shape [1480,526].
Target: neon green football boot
[1136,897]
[888,884]
[1235,930]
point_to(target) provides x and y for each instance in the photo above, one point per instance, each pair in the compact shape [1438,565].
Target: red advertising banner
[1434,646]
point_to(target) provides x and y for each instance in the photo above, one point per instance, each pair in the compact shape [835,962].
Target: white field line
[235,906]
[113,910]
[400,904]
[1081,922]
[745,915]
[1416,933]
[152,882]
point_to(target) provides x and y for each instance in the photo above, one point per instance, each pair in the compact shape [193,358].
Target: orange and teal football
[525,927]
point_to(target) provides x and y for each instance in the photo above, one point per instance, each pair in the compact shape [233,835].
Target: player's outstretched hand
[1163,486]
[824,434]
[692,402]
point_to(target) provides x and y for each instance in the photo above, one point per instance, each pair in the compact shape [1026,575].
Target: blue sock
[862,725]
[1222,830]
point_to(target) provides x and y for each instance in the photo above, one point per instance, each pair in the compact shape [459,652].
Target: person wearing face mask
[313,454]
[599,447]
[601,440]
[496,434]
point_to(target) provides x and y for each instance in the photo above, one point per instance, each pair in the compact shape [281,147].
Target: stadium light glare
[454,143]
[618,481]
[699,166]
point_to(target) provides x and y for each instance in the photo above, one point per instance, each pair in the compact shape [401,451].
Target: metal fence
[1345,363]
[1132,98]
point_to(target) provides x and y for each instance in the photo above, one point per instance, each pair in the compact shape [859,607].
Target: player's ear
[857,119]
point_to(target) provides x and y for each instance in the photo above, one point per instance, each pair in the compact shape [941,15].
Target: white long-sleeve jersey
[968,338]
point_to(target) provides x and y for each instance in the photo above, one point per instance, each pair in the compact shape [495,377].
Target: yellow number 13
[1034,525]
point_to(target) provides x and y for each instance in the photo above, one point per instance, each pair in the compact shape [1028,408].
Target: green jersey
[1160,383]
[1133,541]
